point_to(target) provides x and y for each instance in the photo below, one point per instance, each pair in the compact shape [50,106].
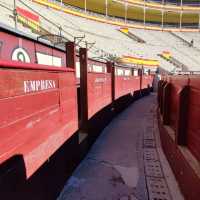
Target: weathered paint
[10,43]
[36,122]
[125,84]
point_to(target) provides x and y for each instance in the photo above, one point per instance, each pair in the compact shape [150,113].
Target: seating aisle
[126,162]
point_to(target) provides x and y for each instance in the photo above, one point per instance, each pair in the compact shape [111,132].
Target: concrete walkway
[126,162]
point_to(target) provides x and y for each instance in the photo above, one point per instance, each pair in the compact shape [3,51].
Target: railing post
[159,92]
[111,70]
[161,96]
[182,118]
[140,72]
[83,87]
[113,81]
[70,54]
[166,103]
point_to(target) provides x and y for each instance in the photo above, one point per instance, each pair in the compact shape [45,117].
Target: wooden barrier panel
[181,112]
[177,83]
[96,85]
[38,112]
[146,81]
[125,82]
[193,125]
[99,92]
[20,48]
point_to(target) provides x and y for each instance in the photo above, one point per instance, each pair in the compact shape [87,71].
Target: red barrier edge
[21,65]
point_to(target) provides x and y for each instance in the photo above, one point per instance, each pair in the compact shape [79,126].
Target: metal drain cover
[150,154]
[148,136]
[153,168]
[158,189]
[149,129]
[149,143]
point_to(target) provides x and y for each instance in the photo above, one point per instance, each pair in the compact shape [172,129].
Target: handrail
[109,21]
[169,7]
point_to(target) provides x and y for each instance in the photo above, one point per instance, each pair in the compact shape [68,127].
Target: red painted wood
[193,126]
[186,176]
[21,65]
[125,84]
[99,92]
[193,135]
[11,42]
[177,83]
[35,124]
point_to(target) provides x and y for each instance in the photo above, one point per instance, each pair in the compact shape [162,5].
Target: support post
[158,93]
[162,18]
[181,13]
[85,5]
[162,12]
[70,54]
[126,8]
[199,21]
[182,118]
[106,4]
[144,13]
[161,96]
[83,87]
[111,70]
[166,103]
[15,14]
[113,81]
[140,73]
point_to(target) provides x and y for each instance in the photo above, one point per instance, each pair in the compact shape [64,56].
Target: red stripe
[27,14]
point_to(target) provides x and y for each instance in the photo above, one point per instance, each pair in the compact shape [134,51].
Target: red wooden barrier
[99,92]
[177,83]
[146,81]
[96,86]
[181,111]
[125,83]
[38,111]
[183,101]
[193,129]
[30,51]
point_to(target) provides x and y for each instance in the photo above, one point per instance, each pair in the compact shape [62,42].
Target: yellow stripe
[30,23]
[121,24]
[140,61]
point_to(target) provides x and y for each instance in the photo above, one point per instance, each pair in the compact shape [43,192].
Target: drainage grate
[158,189]
[148,135]
[153,168]
[149,128]
[149,143]
[150,154]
